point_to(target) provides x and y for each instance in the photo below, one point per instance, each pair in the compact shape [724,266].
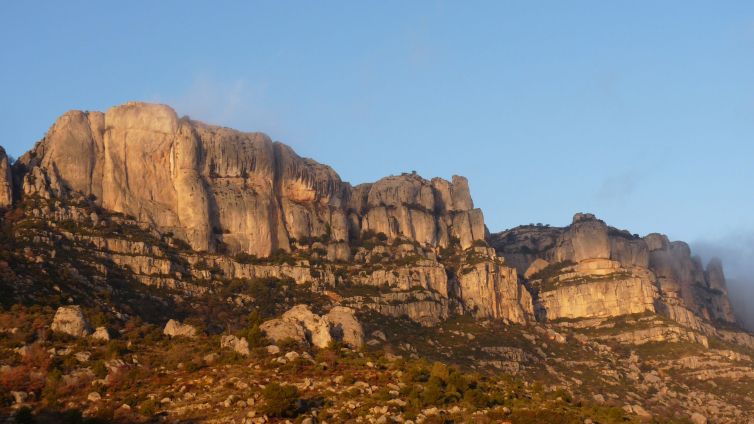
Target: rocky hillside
[133,233]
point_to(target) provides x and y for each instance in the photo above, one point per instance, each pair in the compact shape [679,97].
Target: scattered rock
[70,320]
[273,350]
[210,358]
[101,333]
[239,345]
[175,329]
[94,397]
[19,397]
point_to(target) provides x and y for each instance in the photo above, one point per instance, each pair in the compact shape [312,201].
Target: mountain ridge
[136,213]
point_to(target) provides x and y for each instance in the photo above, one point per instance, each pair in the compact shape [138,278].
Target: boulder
[302,325]
[101,333]
[345,326]
[279,330]
[19,398]
[317,328]
[237,344]
[70,320]
[175,329]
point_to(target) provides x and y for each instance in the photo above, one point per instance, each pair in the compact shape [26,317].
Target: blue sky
[641,112]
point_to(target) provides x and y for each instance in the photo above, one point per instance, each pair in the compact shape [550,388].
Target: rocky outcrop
[174,328]
[316,328]
[614,272]
[430,212]
[6,181]
[345,326]
[681,275]
[491,290]
[301,325]
[279,330]
[236,344]
[70,320]
[424,307]
[224,190]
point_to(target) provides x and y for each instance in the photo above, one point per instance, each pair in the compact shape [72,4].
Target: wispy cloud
[235,103]
[618,187]
[737,253]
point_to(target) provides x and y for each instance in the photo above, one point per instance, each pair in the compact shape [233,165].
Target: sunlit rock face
[604,271]
[225,190]
[430,212]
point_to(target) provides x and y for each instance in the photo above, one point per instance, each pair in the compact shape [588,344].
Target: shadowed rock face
[221,189]
[6,181]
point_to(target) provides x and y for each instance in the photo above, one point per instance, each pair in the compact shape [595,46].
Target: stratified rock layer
[591,270]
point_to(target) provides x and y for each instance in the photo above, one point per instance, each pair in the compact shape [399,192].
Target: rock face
[174,328]
[70,320]
[589,269]
[6,181]
[491,290]
[421,243]
[599,299]
[430,212]
[224,190]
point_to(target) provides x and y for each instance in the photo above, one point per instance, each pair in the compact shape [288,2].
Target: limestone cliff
[225,190]
[231,193]
[589,269]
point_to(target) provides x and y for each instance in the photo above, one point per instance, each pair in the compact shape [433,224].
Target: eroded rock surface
[70,320]
[225,190]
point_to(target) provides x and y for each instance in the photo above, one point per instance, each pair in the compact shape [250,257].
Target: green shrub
[99,369]
[280,400]
[148,407]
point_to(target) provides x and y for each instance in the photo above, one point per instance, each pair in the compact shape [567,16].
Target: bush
[476,398]
[253,334]
[148,407]
[24,416]
[280,400]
